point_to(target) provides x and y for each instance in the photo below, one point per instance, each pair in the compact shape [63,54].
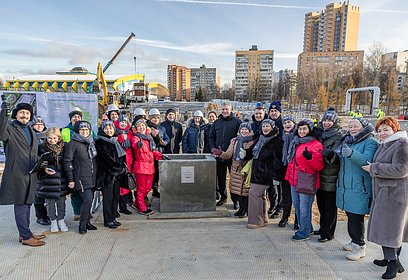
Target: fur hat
[75,111]
[330,114]
[288,118]
[275,105]
[307,122]
[23,106]
[82,124]
[247,125]
[271,122]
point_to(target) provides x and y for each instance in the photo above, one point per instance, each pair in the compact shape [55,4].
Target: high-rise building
[178,82]
[399,62]
[205,80]
[333,29]
[253,74]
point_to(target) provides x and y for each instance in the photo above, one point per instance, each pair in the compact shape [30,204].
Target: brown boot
[33,242]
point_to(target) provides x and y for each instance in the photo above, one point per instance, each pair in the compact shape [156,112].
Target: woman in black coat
[267,170]
[80,169]
[111,167]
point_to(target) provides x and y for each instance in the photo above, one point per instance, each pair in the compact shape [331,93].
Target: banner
[54,107]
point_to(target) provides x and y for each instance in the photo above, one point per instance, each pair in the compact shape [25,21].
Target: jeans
[303,209]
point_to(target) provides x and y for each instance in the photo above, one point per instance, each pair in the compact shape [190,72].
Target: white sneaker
[62,226]
[348,247]
[357,253]
[54,226]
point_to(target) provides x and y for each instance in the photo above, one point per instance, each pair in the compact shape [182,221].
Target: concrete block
[187,183]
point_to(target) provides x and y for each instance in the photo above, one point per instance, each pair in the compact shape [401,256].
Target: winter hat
[364,122]
[307,122]
[330,114]
[271,122]
[123,118]
[247,125]
[288,118]
[275,105]
[259,105]
[82,124]
[75,111]
[38,119]
[106,123]
[140,121]
[23,106]
[171,110]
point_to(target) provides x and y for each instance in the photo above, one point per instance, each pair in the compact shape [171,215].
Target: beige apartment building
[333,29]
[253,74]
[178,82]
[399,62]
[330,41]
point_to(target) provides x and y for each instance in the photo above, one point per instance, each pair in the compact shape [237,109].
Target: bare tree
[258,87]
[372,67]
[322,98]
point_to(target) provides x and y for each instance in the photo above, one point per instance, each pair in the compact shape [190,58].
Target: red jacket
[142,159]
[309,166]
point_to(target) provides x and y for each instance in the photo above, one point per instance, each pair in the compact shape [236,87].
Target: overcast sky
[41,37]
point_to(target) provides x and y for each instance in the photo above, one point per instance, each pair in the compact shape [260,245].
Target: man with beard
[18,186]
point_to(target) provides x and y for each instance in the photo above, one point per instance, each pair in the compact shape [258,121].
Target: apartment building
[178,82]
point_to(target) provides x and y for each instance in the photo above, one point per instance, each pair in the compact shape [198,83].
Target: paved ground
[206,248]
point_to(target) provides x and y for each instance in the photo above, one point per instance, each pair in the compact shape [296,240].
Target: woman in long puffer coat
[240,150]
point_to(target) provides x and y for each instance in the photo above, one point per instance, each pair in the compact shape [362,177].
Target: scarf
[295,143]
[240,141]
[56,148]
[114,141]
[326,134]
[350,140]
[149,138]
[87,140]
[262,141]
[287,139]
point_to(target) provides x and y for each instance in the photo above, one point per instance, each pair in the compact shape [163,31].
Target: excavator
[100,82]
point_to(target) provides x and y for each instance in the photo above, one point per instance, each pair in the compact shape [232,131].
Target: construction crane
[100,79]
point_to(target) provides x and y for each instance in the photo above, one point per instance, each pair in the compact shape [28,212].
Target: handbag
[128,180]
[306,182]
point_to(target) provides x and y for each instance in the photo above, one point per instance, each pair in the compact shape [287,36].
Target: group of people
[273,157]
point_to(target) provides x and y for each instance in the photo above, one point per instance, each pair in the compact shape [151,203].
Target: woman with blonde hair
[388,222]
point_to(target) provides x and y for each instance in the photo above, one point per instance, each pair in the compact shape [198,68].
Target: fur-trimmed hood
[190,122]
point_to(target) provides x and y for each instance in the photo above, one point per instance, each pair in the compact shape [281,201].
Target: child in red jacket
[144,153]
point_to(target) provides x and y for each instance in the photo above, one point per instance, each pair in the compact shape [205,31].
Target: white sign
[187,174]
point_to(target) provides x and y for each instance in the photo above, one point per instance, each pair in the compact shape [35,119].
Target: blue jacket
[354,191]
[195,138]
[174,145]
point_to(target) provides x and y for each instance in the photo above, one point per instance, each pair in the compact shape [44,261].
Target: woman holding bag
[304,163]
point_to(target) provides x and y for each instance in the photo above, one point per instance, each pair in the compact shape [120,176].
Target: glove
[140,144]
[327,153]
[275,183]
[306,154]
[216,152]
[242,153]
[126,144]
[346,151]
[5,107]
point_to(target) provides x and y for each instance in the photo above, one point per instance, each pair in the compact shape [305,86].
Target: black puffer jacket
[222,131]
[52,186]
[110,166]
[79,168]
[268,166]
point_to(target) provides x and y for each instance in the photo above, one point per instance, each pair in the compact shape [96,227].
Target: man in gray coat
[18,186]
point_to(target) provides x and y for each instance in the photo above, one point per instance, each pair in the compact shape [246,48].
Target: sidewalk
[212,248]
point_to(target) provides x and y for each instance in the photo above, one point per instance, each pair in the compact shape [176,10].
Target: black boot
[392,269]
[382,263]
[238,213]
[244,213]
[90,226]
[283,222]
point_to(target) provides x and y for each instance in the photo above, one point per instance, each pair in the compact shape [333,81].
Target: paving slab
[201,248]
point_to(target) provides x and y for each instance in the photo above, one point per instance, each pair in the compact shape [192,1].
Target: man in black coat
[18,186]
[221,132]
[175,132]
[257,118]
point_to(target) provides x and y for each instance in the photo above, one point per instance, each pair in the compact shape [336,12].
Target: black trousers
[86,197]
[39,206]
[326,202]
[222,177]
[155,186]
[355,228]
[111,195]
[22,218]
[275,197]
[286,199]
[243,202]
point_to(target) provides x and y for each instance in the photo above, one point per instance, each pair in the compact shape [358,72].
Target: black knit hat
[75,111]
[275,105]
[22,106]
[171,110]
[82,124]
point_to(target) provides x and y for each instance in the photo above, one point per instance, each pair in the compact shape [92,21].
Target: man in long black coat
[18,186]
